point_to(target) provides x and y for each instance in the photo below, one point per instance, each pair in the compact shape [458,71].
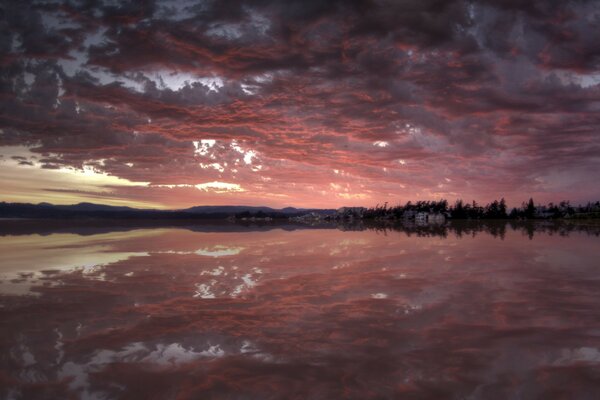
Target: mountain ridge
[94,210]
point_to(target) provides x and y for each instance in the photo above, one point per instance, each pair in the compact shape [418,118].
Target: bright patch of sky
[249,155]
[251,85]
[163,79]
[236,146]
[262,78]
[354,196]
[92,176]
[583,80]
[78,58]
[203,146]
[215,186]
[219,187]
[178,80]
[77,63]
[21,171]
[213,150]
[249,89]
[174,185]
[216,166]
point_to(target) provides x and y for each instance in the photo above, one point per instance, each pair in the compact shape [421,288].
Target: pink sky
[308,104]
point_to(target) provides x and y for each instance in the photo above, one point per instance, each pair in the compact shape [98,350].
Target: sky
[309,103]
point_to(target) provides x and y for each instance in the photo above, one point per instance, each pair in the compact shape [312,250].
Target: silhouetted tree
[530,209]
[502,208]
[459,210]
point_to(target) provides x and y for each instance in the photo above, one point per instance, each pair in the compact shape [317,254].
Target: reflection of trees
[473,228]
[496,228]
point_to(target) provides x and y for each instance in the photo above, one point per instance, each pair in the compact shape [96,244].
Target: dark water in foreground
[171,313]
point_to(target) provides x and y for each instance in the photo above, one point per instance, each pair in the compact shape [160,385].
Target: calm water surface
[172,313]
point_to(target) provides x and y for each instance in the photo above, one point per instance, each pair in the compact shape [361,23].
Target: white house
[429,217]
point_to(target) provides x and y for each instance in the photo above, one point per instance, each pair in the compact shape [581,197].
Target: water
[233,312]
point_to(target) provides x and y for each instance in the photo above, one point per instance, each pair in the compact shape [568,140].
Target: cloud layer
[304,103]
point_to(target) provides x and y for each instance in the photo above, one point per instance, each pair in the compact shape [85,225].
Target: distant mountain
[240,209]
[91,210]
[91,207]
[81,210]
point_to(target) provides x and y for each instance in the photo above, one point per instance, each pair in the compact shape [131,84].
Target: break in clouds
[314,103]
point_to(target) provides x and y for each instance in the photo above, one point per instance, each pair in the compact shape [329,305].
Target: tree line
[496,209]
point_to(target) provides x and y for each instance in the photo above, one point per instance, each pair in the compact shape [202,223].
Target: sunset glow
[171,104]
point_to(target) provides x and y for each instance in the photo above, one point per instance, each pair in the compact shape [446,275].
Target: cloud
[499,98]
[219,187]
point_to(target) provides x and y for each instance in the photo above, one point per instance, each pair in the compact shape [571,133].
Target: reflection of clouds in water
[60,251]
[471,303]
[59,346]
[215,272]
[23,354]
[159,355]
[90,265]
[24,357]
[341,265]
[204,291]
[250,349]
[248,283]
[219,251]
[589,355]
[229,285]
[379,296]
[175,353]
[409,308]
[214,251]
[29,261]
[20,269]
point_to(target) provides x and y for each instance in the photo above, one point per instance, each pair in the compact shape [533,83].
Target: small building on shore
[310,217]
[421,217]
[429,217]
[409,214]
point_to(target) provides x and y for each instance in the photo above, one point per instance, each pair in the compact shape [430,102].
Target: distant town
[440,211]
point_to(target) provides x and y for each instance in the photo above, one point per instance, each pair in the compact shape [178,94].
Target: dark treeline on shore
[495,228]
[420,211]
[458,228]
[494,210]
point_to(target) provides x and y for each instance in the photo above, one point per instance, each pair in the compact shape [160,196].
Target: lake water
[274,312]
